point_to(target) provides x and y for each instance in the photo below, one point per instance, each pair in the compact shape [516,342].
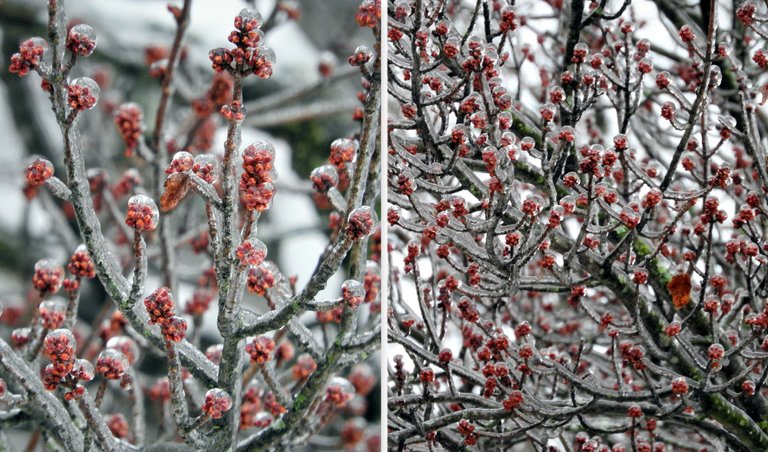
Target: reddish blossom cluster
[160,307]
[250,56]
[256,182]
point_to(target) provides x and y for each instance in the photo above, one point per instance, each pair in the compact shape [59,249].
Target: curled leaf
[176,188]
[680,289]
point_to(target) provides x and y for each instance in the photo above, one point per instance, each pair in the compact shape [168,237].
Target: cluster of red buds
[361,223]
[251,252]
[160,307]
[65,369]
[260,349]
[142,213]
[39,171]
[29,57]
[82,94]
[129,118]
[81,40]
[48,276]
[250,56]
[217,402]
[80,264]
[256,182]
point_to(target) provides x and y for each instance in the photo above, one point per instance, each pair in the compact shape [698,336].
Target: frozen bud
[118,425]
[262,277]
[174,329]
[620,142]
[30,54]
[363,379]
[259,197]
[556,95]
[111,364]
[339,391]
[217,402]
[580,52]
[128,119]
[251,252]
[715,352]
[248,20]
[182,162]
[48,276]
[81,40]
[343,151]
[83,94]
[60,345]
[20,336]
[142,213]
[361,56]
[527,143]
[263,62]
[353,292]
[80,264]
[324,177]
[53,313]
[361,223]
[686,34]
[83,370]
[126,346]
[234,112]
[679,386]
[204,167]
[304,367]
[39,171]
[159,305]
[260,349]
[547,112]
[427,375]
[221,59]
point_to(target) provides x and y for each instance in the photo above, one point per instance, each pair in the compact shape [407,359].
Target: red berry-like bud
[128,119]
[217,402]
[715,352]
[353,292]
[174,329]
[427,375]
[679,386]
[262,277]
[81,40]
[361,223]
[324,177]
[83,94]
[52,313]
[159,305]
[39,171]
[260,349]
[83,370]
[251,252]
[111,364]
[339,391]
[304,367]
[142,213]
[514,400]
[343,151]
[48,276]
[634,411]
[118,425]
[80,264]
[234,111]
